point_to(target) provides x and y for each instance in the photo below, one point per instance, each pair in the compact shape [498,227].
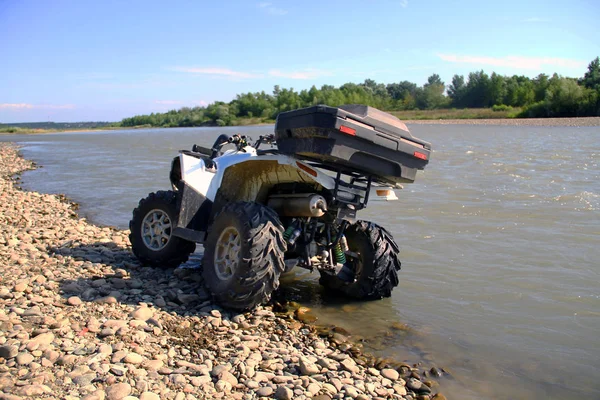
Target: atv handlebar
[240,141]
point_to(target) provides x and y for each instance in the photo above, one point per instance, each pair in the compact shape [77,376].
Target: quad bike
[261,212]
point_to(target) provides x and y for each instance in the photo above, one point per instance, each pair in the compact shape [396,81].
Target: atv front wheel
[243,255]
[374,273]
[151,228]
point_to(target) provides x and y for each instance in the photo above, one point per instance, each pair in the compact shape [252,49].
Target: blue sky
[80,60]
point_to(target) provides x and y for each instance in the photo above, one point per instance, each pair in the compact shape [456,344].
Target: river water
[500,243]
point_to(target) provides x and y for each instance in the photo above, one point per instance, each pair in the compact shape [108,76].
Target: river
[499,242]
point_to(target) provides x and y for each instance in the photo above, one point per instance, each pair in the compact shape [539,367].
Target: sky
[80,60]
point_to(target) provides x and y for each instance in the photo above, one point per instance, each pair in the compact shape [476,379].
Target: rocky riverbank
[81,319]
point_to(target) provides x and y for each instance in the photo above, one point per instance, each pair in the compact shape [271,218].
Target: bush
[501,107]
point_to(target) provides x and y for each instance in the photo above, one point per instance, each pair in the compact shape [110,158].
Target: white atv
[260,213]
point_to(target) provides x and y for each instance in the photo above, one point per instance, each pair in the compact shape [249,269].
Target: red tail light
[347,130]
[422,156]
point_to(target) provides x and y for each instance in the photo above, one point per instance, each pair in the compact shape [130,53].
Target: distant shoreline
[576,121]
[572,122]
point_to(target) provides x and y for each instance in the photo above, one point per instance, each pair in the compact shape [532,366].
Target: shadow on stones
[114,274]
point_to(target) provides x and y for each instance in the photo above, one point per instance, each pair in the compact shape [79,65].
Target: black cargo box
[353,138]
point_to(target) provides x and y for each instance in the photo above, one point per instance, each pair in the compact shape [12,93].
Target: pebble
[390,374]
[133,358]
[118,391]
[8,351]
[142,313]
[284,393]
[149,396]
[24,358]
[74,301]
[265,391]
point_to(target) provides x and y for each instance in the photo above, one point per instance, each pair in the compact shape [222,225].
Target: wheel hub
[156,229]
[227,253]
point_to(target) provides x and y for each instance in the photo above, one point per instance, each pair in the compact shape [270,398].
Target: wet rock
[303,314]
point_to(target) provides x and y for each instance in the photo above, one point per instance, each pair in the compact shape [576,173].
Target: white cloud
[24,106]
[518,62]
[305,74]
[404,3]
[226,72]
[269,8]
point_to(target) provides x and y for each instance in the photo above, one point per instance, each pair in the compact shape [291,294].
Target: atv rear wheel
[243,255]
[151,229]
[374,273]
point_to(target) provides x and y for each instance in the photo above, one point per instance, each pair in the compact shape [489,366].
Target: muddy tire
[243,255]
[151,232]
[375,273]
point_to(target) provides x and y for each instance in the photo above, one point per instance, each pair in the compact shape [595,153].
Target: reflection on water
[499,244]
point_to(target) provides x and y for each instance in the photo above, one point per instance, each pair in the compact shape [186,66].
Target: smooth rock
[350,365]
[265,391]
[8,351]
[34,390]
[74,301]
[149,396]
[118,391]
[307,367]
[24,358]
[133,358]
[142,313]
[284,393]
[390,374]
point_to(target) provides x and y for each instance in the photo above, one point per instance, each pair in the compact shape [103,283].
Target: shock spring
[340,256]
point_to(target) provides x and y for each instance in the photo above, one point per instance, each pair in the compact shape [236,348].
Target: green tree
[497,90]
[432,94]
[591,79]
[457,90]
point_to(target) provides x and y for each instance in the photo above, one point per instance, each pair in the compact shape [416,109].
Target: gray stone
[284,393]
[8,351]
[265,391]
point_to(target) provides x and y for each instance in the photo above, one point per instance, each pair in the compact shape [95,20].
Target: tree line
[542,96]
